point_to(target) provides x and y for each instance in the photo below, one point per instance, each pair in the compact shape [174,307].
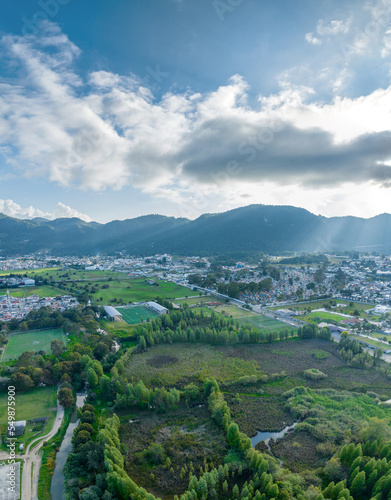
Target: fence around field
[133,315]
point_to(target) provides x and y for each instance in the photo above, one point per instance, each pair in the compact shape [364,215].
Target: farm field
[136,314]
[38,340]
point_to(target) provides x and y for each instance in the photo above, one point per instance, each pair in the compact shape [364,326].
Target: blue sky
[109,110]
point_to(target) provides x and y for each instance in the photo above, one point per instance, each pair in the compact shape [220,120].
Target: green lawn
[137,290]
[28,271]
[38,340]
[32,404]
[380,345]
[41,291]
[323,316]
[134,315]
[37,403]
[197,300]
[264,322]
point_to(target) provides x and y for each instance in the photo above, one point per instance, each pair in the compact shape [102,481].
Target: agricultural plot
[41,291]
[38,340]
[136,314]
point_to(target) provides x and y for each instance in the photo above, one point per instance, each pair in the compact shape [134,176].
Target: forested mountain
[271,229]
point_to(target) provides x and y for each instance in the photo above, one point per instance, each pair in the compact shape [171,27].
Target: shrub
[314,374]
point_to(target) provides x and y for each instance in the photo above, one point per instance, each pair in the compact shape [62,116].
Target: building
[156,308]
[17,429]
[113,313]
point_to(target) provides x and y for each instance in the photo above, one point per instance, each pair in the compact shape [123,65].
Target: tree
[92,378]
[65,397]
[357,488]
[21,381]
[101,350]
[57,348]
[233,435]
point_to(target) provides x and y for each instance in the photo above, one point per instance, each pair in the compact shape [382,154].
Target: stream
[267,436]
[57,489]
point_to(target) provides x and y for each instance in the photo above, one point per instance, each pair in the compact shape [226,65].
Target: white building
[157,308]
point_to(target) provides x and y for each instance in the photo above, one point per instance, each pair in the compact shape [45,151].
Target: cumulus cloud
[13,209]
[109,131]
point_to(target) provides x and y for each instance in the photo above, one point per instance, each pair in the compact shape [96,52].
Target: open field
[38,340]
[323,316]
[380,345]
[136,314]
[37,403]
[134,290]
[41,291]
[28,271]
[247,317]
[263,322]
[202,299]
[169,364]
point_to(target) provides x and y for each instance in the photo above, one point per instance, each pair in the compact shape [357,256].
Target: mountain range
[263,228]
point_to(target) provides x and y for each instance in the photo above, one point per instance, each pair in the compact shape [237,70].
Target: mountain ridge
[265,228]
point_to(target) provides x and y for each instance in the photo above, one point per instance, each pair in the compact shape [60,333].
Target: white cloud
[110,132]
[13,209]
[333,27]
[312,39]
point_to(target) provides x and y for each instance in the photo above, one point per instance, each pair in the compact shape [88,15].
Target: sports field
[251,318]
[263,322]
[38,340]
[133,315]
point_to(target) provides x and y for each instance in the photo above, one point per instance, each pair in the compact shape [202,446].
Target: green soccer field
[133,315]
[38,340]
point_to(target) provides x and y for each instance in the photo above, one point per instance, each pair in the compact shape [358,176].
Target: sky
[112,110]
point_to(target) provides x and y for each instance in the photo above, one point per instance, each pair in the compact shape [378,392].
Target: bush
[314,374]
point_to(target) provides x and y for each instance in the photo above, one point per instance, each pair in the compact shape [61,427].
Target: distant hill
[270,229]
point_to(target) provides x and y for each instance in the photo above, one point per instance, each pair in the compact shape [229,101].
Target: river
[57,489]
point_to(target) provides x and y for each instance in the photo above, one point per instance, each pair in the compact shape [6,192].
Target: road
[32,459]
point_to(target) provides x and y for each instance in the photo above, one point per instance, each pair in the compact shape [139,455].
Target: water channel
[267,436]
[57,489]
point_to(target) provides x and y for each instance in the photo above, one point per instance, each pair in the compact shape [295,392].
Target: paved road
[32,460]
